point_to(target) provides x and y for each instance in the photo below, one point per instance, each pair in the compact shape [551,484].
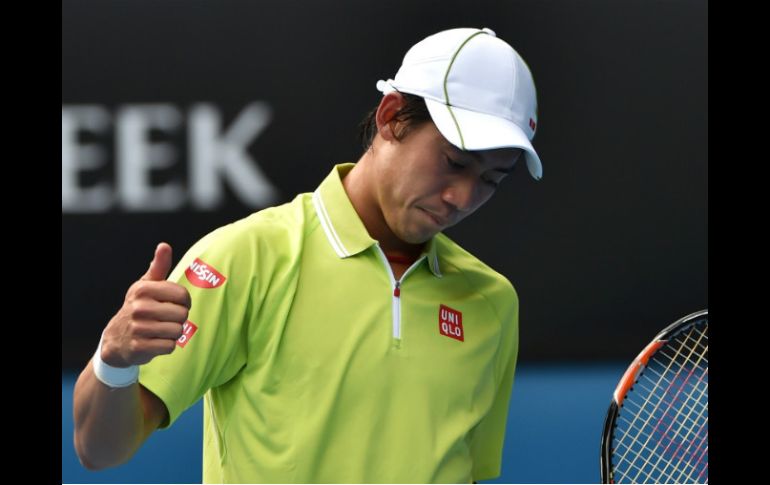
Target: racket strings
[699,348]
[669,450]
[686,420]
[689,405]
[652,478]
[654,393]
[667,437]
[690,458]
[661,455]
[694,402]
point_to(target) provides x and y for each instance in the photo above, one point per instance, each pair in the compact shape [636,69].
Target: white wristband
[113,376]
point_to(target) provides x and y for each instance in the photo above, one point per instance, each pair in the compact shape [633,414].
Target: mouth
[437,220]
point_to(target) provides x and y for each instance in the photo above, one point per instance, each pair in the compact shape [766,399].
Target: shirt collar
[342,225]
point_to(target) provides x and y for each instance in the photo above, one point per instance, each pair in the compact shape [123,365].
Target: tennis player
[340,337]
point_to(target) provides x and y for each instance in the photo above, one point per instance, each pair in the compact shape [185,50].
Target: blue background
[556,411]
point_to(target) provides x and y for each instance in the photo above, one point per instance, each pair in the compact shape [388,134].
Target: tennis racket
[656,429]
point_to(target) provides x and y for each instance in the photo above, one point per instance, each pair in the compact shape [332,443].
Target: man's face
[426,184]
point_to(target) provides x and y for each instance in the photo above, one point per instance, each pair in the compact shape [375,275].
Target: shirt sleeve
[216,272]
[488,436]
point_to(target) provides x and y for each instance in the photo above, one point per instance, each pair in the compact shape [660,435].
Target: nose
[462,194]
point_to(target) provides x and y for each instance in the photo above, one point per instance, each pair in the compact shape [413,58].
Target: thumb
[160,265]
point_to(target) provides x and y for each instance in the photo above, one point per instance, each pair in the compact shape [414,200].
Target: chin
[413,231]
[418,240]
[416,237]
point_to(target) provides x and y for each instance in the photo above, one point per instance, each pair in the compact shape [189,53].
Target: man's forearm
[109,423]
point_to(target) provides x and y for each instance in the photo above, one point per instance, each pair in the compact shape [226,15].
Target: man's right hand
[150,320]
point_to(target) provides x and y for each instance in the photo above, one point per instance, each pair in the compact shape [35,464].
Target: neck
[395,258]
[359,185]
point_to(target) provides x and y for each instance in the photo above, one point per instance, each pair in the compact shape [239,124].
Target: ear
[390,104]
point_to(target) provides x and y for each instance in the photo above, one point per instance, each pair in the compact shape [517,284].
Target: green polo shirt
[317,366]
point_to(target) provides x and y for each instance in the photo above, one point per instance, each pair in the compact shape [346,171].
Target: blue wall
[554,428]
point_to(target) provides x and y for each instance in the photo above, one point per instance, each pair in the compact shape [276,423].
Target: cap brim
[482,132]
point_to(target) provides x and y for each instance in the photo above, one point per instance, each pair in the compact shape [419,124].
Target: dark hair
[414,113]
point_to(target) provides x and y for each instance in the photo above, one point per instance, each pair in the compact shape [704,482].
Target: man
[340,337]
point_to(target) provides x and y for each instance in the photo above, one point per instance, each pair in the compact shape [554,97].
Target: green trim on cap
[446,93]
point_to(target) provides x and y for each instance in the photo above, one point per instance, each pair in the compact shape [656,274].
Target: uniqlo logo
[188,330]
[450,323]
[204,276]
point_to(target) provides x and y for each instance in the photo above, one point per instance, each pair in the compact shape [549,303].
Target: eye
[494,179]
[454,165]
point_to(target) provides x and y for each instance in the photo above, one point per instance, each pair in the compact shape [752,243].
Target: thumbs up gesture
[150,320]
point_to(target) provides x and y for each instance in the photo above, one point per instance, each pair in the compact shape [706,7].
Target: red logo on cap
[450,323]
[188,330]
[532,124]
[204,276]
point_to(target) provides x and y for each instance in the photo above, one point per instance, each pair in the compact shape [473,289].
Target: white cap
[478,89]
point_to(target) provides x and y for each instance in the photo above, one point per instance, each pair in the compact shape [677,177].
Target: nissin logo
[204,276]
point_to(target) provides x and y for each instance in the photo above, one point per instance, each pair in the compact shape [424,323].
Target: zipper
[396,305]
[396,286]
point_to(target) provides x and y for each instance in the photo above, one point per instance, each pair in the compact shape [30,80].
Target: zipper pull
[397,289]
